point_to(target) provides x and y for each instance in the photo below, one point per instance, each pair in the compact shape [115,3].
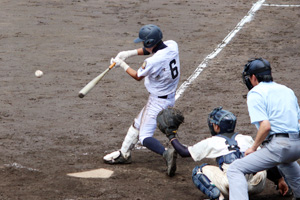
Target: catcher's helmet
[260,67]
[223,118]
[150,35]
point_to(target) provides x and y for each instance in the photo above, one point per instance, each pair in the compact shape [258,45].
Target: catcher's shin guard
[203,183]
[130,140]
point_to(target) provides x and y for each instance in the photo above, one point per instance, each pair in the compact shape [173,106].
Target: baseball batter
[225,146]
[162,73]
[274,110]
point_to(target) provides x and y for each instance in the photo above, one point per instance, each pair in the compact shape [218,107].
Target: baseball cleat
[116,157]
[170,156]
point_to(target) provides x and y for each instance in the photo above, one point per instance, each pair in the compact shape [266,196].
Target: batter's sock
[154,145]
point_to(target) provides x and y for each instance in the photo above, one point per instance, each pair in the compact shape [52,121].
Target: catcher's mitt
[169,120]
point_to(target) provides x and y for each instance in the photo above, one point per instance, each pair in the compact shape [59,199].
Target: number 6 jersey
[162,70]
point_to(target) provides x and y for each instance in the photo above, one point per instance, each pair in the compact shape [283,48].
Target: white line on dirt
[19,166]
[277,5]
[220,47]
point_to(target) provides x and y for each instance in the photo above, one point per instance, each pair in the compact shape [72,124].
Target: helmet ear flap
[211,120]
[148,43]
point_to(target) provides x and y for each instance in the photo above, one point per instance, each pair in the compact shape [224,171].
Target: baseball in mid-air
[38,73]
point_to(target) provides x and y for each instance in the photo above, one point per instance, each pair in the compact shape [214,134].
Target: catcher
[225,146]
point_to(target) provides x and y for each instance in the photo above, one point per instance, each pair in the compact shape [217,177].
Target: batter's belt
[163,97]
[169,96]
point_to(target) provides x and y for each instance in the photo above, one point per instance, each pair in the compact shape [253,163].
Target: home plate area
[96,173]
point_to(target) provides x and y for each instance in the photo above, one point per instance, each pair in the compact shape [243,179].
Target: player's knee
[203,183]
[141,140]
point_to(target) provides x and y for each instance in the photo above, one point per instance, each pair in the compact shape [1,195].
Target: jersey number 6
[173,68]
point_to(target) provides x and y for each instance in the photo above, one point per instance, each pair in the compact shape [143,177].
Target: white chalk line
[277,5]
[220,47]
[226,40]
[19,166]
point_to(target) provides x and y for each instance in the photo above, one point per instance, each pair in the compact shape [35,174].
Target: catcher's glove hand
[168,121]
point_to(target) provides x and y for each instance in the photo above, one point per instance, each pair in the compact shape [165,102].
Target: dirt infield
[48,132]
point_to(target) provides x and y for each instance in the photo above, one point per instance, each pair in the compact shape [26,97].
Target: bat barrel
[81,95]
[92,83]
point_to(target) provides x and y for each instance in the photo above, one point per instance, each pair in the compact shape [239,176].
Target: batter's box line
[19,166]
[221,46]
[278,5]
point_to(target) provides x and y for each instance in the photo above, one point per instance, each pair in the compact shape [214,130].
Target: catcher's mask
[223,118]
[260,67]
[150,35]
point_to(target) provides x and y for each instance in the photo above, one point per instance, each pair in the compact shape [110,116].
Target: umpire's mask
[260,67]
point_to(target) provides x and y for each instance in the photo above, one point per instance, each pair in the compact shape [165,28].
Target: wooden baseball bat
[94,82]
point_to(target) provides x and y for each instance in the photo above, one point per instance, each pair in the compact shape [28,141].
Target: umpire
[274,110]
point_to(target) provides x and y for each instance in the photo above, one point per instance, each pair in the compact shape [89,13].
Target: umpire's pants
[281,151]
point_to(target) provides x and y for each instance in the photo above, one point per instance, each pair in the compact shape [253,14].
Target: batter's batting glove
[168,121]
[119,63]
[123,55]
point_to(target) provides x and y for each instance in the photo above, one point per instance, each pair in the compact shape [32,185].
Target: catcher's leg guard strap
[204,184]
[130,140]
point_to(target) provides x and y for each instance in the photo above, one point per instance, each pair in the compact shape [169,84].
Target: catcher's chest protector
[232,145]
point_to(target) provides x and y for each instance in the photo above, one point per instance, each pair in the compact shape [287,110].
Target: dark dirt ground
[47,131]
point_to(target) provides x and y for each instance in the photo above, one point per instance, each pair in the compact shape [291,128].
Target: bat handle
[112,65]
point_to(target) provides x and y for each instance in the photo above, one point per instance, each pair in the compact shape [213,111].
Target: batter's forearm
[133,74]
[143,51]
[140,51]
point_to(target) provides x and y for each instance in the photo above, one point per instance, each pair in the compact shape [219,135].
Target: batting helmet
[150,35]
[223,118]
[260,67]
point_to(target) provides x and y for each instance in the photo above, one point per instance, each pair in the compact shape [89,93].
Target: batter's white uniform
[214,147]
[162,74]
